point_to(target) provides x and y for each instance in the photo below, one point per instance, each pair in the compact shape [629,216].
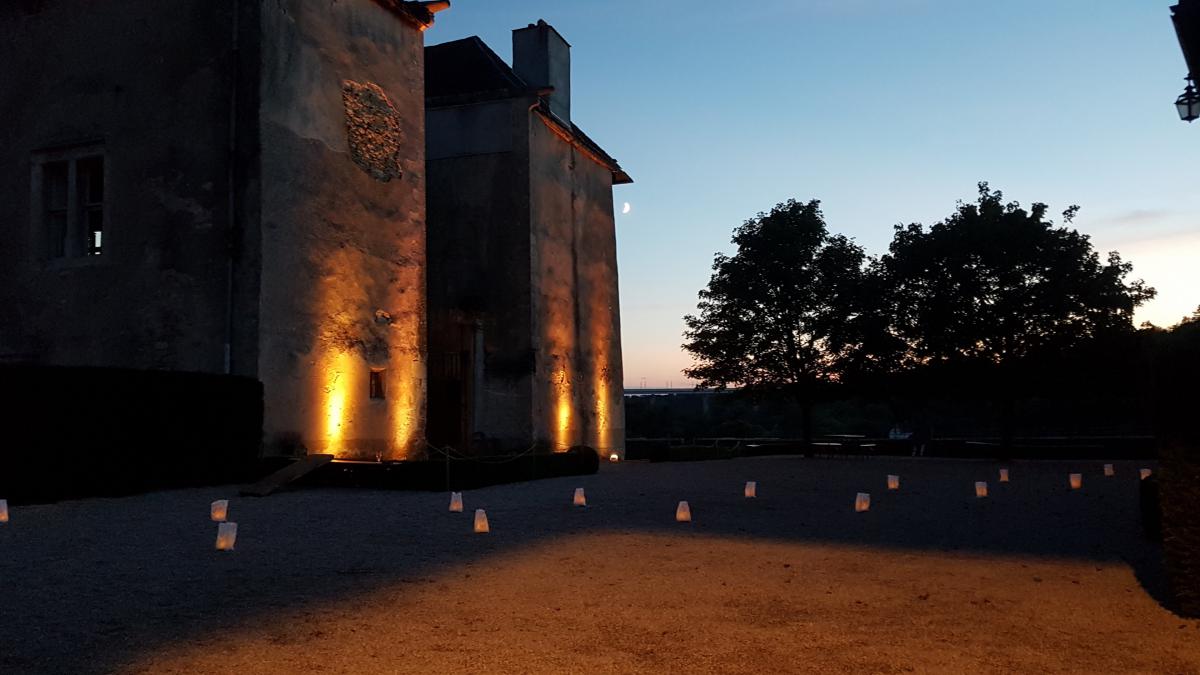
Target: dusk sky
[888,111]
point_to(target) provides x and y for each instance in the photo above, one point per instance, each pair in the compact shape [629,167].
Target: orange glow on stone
[337,377]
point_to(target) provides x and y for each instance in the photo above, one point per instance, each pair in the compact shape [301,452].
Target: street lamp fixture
[1188,103]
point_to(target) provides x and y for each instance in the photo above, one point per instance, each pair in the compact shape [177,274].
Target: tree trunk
[806,407]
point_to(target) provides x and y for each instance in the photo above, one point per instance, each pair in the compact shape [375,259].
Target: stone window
[69,204]
[376,384]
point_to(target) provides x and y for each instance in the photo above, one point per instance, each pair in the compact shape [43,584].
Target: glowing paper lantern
[981,488]
[1144,473]
[751,490]
[219,510]
[1108,470]
[456,502]
[862,502]
[614,458]
[3,510]
[481,523]
[226,536]
[580,500]
[893,482]
[1076,481]
[683,513]
[1003,475]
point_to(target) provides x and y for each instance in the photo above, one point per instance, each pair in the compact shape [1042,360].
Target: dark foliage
[456,473]
[783,316]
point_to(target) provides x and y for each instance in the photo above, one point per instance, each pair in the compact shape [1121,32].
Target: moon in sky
[627,208]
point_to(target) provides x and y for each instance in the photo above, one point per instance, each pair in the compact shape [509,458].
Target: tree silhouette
[994,287]
[786,314]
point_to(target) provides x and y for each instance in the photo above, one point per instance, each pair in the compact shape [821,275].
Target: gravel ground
[1035,578]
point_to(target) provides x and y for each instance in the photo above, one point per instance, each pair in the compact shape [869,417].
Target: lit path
[1035,578]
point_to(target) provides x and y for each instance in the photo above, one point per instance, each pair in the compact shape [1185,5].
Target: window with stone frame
[69,203]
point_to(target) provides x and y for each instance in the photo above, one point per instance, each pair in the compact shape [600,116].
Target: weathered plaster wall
[478,244]
[151,84]
[343,213]
[577,393]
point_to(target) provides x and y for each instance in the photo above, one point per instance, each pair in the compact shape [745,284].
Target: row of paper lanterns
[227,531]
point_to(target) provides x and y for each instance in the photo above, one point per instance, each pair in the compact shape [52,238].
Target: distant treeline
[992,322]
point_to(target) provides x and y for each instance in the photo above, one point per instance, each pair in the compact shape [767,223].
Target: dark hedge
[87,432]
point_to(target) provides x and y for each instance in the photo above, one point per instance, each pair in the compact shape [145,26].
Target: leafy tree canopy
[995,283]
[784,313]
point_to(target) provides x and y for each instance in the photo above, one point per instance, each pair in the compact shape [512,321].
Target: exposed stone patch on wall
[373,130]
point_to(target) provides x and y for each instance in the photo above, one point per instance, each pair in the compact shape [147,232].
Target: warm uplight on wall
[562,412]
[405,404]
[336,387]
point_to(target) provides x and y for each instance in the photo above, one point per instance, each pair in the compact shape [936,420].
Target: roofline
[575,136]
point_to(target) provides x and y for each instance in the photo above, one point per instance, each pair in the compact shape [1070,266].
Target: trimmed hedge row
[89,432]
[454,474]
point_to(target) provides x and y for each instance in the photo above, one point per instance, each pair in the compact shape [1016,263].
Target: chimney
[542,58]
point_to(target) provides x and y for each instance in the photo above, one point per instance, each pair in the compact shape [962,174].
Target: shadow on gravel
[90,586]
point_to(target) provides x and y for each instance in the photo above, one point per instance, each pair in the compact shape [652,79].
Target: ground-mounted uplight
[226,536]
[1108,470]
[893,482]
[1076,480]
[980,489]
[481,522]
[3,510]
[614,458]
[751,489]
[456,502]
[1003,475]
[862,502]
[1188,103]
[219,510]
[683,513]
[1144,473]
[580,499]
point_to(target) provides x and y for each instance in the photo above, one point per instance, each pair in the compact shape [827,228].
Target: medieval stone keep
[240,187]
[525,346]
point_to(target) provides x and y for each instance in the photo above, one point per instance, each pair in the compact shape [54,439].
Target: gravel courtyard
[1034,578]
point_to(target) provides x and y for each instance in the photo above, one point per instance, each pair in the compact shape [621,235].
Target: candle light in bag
[481,523]
[1108,470]
[3,510]
[456,502]
[1076,481]
[893,482]
[862,502]
[219,510]
[683,513]
[751,490]
[226,536]
[981,489]
[1003,475]
[1144,473]
[580,499]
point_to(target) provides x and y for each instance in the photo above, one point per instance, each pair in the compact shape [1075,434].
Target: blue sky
[888,111]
